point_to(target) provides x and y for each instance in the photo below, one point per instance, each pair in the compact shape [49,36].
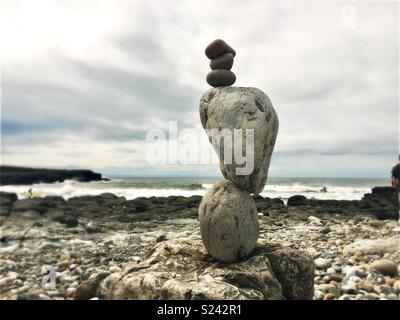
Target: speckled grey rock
[179,268]
[228,222]
[242,108]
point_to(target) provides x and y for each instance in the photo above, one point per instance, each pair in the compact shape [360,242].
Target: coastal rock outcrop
[382,203]
[6,201]
[10,175]
[181,269]
[228,222]
[242,108]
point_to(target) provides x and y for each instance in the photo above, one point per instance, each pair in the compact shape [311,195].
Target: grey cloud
[335,90]
[115,96]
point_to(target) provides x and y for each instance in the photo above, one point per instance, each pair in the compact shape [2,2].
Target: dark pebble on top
[217,48]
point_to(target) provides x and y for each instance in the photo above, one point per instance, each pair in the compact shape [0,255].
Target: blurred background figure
[396,176]
[396,180]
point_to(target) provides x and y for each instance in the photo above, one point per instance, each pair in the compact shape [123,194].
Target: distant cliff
[20,175]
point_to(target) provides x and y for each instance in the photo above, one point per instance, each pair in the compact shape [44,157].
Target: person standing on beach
[396,176]
[396,181]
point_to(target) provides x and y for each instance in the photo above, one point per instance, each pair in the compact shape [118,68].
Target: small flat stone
[114,269]
[366,286]
[217,48]
[329,296]
[396,286]
[220,78]
[319,295]
[345,297]
[224,61]
[321,263]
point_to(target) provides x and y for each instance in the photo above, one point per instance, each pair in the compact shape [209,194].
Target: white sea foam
[332,192]
[69,189]
[131,189]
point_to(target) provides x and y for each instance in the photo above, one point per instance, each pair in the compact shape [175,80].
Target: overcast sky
[83,81]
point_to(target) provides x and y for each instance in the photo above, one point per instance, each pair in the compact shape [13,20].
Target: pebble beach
[356,257]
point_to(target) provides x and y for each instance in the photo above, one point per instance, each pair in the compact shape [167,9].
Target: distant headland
[12,175]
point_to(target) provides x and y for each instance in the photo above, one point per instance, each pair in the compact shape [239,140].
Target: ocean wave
[133,188]
[158,185]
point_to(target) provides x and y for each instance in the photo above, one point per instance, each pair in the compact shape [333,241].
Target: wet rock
[6,201]
[264,204]
[67,220]
[41,205]
[25,215]
[297,200]
[10,196]
[384,202]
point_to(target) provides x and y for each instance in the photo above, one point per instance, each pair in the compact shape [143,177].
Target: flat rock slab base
[180,268]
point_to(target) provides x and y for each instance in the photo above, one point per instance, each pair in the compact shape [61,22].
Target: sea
[134,187]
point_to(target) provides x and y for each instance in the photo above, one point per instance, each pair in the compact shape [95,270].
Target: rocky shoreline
[91,241]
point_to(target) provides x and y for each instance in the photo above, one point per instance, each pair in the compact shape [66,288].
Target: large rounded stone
[385,266]
[228,222]
[224,110]
[224,61]
[221,77]
[217,48]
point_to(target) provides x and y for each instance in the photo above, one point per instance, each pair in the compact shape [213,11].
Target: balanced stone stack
[221,55]
[227,213]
